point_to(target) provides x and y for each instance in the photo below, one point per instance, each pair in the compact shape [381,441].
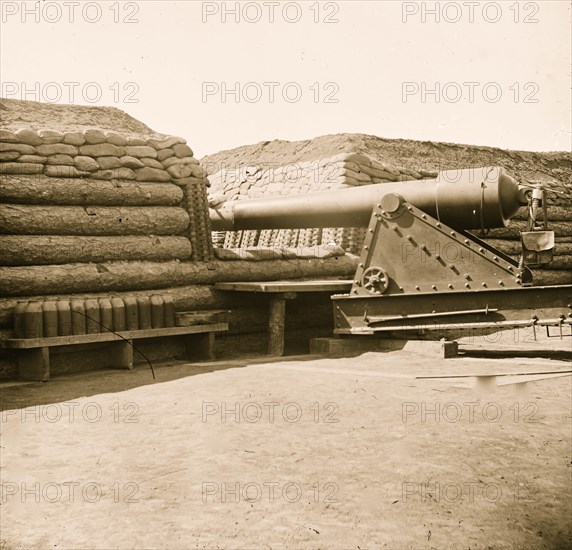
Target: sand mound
[31,114]
[552,168]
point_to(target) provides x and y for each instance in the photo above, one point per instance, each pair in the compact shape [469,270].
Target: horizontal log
[45,190]
[561,229]
[21,168]
[555,213]
[262,253]
[513,247]
[557,263]
[22,219]
[549,277]
[41,250]
[560,262]
[121,276]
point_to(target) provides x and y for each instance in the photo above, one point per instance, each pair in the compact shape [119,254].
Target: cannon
[465,199]
[420,269]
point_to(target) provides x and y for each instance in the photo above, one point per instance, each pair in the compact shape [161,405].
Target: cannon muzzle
[463,199]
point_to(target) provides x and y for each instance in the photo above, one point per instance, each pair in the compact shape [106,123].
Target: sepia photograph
[285,275]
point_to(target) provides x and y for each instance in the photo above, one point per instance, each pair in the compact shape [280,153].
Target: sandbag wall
[337,172]
[97,196]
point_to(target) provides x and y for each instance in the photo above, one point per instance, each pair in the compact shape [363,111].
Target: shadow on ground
[19,395]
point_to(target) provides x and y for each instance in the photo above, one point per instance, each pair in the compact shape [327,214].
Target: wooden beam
[29,343]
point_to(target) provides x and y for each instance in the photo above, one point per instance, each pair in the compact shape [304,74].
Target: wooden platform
[325,285]
[280,291]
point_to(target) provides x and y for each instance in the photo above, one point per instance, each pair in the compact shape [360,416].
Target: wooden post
[276,322]
[450,349]
[122,354]
[34,364]
[200,346]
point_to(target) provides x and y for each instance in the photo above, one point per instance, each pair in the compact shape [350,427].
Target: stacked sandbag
[336,172]
[29,159]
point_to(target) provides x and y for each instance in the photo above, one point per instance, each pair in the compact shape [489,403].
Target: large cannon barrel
[464,199]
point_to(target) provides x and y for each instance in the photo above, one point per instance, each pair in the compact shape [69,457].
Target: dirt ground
[291,453]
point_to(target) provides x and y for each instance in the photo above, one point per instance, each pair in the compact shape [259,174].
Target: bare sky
[487,73]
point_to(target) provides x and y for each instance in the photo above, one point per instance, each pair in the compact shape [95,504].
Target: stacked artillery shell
[233,239]
[196,203]
[266,237]
[249,238]
[47,319]
[309,237]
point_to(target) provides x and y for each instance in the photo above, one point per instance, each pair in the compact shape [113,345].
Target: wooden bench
[34,353]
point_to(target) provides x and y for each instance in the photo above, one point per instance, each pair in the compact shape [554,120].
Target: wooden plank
[29,343]
[495,374]
[192,318]
[276,322]
[287,286]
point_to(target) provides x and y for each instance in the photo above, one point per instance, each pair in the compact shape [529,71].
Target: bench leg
[34,364]
[276,322]
[200,346]
[122,355]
